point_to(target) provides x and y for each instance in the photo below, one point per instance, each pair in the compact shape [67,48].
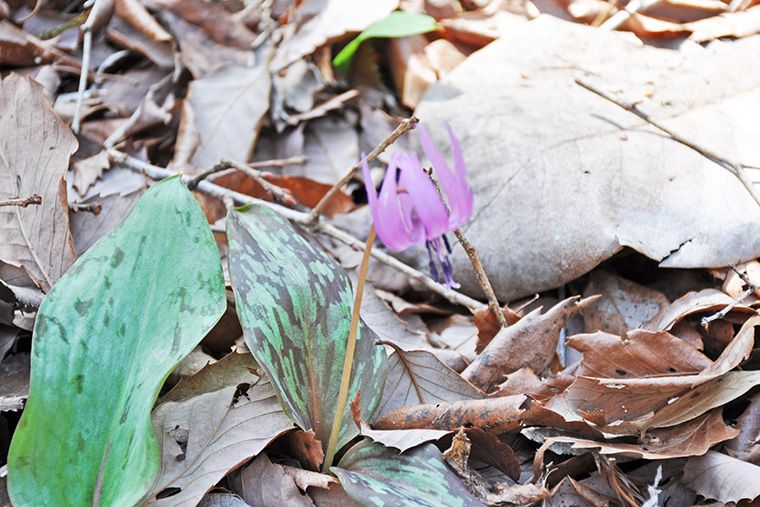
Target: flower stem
[349,359]
[493,303]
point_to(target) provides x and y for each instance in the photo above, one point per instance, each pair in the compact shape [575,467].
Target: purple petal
[428,205]
[455,193]
[466,194]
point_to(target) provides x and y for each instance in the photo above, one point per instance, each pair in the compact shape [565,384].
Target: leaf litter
[619,397]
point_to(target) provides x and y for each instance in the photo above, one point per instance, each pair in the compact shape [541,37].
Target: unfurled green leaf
[106,337]
[294,302]
[374,475]
[397,24]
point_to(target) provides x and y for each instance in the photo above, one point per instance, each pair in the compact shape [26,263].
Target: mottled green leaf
[374,475]
[294,302]
[397,24]
[106,337]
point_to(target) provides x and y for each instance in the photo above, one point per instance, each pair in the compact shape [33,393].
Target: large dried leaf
[624,305]
[693,438]
[265,484]
[106,337]
[295,303]
[226,110]
[722,477]
[531,342]
[639,354]
[35,146]
[203,437]
[374,475]
[418,377]
[579,178]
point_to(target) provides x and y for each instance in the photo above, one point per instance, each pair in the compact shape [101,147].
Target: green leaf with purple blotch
[294,302]
[106,336]
[375,475]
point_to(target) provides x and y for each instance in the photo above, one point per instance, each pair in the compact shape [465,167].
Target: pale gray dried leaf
[418,377]
[265,484]
[332,147]
[721,477]
[221,435]
[35,147]
[564,179]
[87,227]
[228,108]
[624,305]
[222,500]
[402,439]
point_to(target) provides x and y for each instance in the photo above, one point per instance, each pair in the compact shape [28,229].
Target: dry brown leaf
[499,415]
[220,434]
[332,147]
[525,381]
[410,67]
[265,484]
[734,286]
[304,447]
[692,438]
[334,496]
[334,19]
[220,24]
[135,13]
[624,304]
[305,191]
[707,300]
[530,342]
[640,354]
[733,24]
[685,10]
[647,27]
[227,111]
[570,492]
[306,478]
[487,326]
[745,446]
[418,377]
[35,147]
[402,439]
[88,170]
[720,477]
[487,448]
[198,51]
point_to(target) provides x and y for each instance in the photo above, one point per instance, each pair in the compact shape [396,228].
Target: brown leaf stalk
[405,126]
[348,361]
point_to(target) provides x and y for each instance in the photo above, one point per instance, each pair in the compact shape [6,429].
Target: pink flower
[409,211]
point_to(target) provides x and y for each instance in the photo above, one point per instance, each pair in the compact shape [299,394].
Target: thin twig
[92,207]
[86,56]
[485,284]
[26,201]
[405,126]
[751,287]
[205,186]
[220,170]
[323,108]
[734,168]
[281,194]
[493,303]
